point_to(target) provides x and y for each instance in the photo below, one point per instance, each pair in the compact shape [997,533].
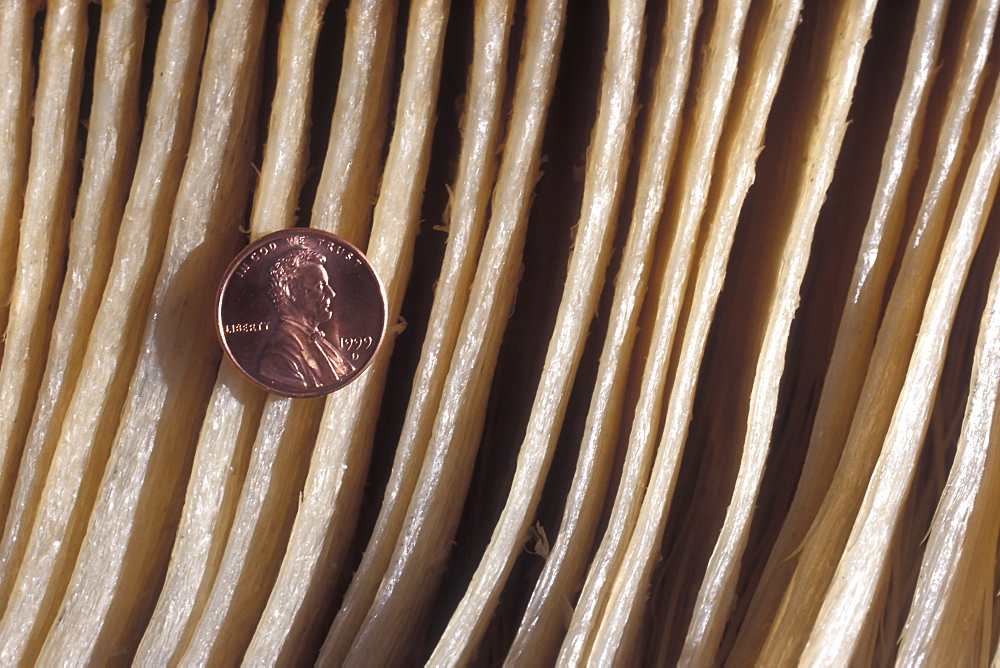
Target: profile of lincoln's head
[300,287]
[297,354]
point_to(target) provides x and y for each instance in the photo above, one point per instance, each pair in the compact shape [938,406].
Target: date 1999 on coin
[301,312]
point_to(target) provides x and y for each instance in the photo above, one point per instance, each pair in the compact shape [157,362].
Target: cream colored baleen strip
[538,637]
[817,555]
[44,228]
[268,498]
[858,324]
[108,166]
[715,597]
[108,599]
[717,77]
[353,164]
[234,410]
[606,164]
[481,128]
[92,416]
[396,614]
[861,568]
[300,599]
[16,79]
[950,616]
[673,73]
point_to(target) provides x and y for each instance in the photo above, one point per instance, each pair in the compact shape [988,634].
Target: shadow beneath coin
[156,440]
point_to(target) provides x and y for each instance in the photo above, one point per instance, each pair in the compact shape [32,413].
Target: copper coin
[301,312]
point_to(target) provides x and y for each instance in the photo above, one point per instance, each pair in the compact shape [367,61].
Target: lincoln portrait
[298,355]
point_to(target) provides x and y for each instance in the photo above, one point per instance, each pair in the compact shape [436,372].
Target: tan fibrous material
[820,550]
[104,604]
[540,627]
[91,418]
[825,136]
[465,225]
[862,565]
[432,513]
[713,280]
[42,240]
[16,75]
[606,163]
[343,445]
[109,162]
[858,325]
[235,407]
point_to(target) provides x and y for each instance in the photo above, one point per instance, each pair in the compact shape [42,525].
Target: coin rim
[251,247]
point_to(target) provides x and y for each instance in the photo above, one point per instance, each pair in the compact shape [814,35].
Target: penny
[301,312]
